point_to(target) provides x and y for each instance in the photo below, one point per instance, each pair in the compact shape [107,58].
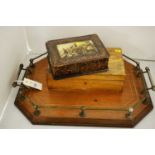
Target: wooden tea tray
[89,108]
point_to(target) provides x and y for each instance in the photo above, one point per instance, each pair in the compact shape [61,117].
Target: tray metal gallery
[86,108]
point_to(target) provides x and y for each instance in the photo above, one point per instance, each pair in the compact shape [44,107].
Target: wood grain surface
[90,108]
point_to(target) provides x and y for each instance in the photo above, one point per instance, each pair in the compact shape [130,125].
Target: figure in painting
[75,49]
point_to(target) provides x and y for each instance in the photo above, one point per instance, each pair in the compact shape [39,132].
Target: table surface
[13,118]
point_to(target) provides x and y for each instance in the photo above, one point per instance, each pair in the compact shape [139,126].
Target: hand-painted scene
[75,49]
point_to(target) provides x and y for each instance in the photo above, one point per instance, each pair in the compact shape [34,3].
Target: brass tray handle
[147,70]
[27,69]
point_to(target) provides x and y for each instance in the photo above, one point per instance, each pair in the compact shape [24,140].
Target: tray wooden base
[90,108]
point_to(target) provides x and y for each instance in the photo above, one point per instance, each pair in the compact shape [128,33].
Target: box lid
[70,50]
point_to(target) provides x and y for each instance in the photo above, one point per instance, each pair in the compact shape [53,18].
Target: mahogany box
[76,56]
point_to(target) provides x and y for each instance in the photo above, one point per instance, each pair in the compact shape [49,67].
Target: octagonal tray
[88,108]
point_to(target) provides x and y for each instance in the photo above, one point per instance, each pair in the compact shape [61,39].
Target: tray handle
[147,70]
[21,67]
[27,69]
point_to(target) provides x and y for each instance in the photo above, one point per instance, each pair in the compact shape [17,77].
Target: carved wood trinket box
[76,56]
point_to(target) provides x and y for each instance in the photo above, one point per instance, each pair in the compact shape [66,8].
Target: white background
[79,13]
[12,51]
[134,41]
